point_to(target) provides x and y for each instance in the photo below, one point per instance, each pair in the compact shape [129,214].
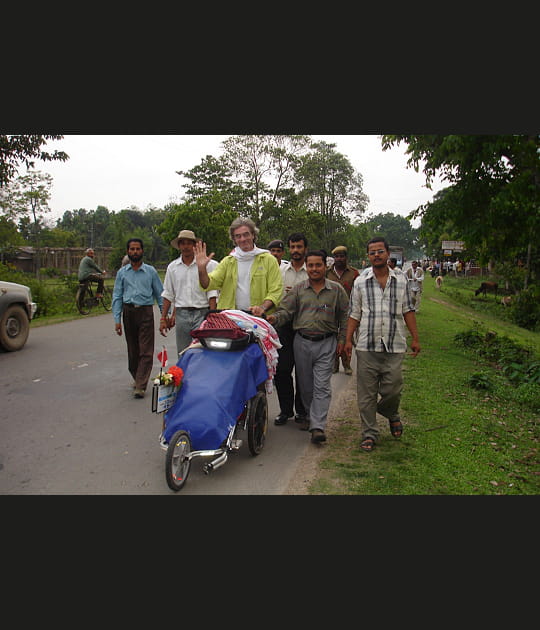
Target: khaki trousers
[379,382]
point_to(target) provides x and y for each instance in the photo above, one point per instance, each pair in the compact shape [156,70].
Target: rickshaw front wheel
[177,460]
[257,423]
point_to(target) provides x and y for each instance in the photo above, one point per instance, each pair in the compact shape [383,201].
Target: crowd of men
[321,307]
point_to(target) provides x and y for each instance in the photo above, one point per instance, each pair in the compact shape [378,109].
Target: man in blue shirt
[136,287]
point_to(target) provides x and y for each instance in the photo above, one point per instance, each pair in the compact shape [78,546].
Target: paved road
[69,423]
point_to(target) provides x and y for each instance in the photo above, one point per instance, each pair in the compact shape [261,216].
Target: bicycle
[86,299]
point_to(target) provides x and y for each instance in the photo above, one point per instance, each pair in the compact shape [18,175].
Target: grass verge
[457,440]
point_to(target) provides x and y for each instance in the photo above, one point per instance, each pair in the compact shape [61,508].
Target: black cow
[487,286]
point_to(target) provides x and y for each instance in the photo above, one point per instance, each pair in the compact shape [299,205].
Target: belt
[316,337]
[191,308]
[130,305]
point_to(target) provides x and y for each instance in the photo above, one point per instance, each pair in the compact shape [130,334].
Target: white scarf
[240,254]
[245,260]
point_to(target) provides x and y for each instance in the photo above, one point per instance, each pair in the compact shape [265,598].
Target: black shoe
[300,419]
[282,419]
[317,435]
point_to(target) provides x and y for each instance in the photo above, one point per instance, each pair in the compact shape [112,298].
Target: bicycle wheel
[257,423]
[83,300]
[177,460]
[106,300]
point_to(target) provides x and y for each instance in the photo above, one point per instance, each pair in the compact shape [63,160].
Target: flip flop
[396,428]
[368,444]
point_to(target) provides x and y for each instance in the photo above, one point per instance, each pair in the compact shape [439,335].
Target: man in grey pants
[318,309]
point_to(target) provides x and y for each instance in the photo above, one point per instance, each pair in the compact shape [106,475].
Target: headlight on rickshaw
[216,344]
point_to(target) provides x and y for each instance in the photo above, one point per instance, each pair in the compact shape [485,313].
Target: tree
[207,217]
[328,182]
[29,195]
[10,237]
[397,230]
[494,189]
[264,165]
[18,149]
[212,176]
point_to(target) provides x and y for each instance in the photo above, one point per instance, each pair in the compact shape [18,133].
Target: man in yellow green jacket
[248,278]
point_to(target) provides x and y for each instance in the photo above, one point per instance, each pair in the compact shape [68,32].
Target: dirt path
[307,469]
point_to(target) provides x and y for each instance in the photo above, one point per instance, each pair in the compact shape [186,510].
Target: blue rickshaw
[222,401]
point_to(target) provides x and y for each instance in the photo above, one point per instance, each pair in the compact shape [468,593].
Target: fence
[65,259]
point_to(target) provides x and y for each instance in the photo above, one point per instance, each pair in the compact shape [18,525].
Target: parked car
[16,311]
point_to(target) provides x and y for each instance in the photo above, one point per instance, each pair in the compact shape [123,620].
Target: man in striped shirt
[382,305]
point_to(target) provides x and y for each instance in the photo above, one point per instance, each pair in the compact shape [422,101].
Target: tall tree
[17,149]
[28,196]
[328,181]
[264,165]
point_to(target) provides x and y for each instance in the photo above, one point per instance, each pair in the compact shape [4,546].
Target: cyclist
[88,270]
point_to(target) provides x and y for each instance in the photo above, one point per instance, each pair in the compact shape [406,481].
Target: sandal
[368,444]
[396,428]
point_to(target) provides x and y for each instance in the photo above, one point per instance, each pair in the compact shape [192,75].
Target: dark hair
[137,240]
[378,239]
[295,237]
[394,260]
[317,252]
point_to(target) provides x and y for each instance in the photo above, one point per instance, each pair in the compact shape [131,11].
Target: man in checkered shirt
[382,305]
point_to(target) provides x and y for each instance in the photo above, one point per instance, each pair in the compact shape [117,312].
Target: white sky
[120,171]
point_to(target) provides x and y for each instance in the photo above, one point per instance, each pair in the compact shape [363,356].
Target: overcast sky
[120,171]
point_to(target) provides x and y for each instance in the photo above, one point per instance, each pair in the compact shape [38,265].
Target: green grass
[68,310]
[457,440]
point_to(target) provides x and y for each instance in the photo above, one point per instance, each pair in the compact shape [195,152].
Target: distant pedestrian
[136,287]
[415,276]
[344,273]
[392,263]
[382,306]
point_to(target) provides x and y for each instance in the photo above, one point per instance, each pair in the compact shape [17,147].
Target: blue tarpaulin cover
[215,387]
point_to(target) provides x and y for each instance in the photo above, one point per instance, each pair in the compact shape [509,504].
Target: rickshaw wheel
[257,423]
[177,461]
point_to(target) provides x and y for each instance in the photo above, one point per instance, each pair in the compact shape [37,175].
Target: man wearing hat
[277,249]
[182,291]
[345,274]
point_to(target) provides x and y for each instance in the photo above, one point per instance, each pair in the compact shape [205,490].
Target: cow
[487,286]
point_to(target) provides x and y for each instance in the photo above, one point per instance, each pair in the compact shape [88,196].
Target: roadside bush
[53,296]
[525,309]
[515,371]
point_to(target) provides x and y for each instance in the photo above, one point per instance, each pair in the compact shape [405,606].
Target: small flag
[162,356]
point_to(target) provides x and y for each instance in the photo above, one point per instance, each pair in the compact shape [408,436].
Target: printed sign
[163,397]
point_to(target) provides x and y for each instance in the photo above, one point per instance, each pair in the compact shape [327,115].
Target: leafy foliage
[492,201]
[517,363]
[18,149]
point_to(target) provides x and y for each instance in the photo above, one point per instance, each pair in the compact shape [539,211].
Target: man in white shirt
[415,276]
[182,291]
[292,273]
